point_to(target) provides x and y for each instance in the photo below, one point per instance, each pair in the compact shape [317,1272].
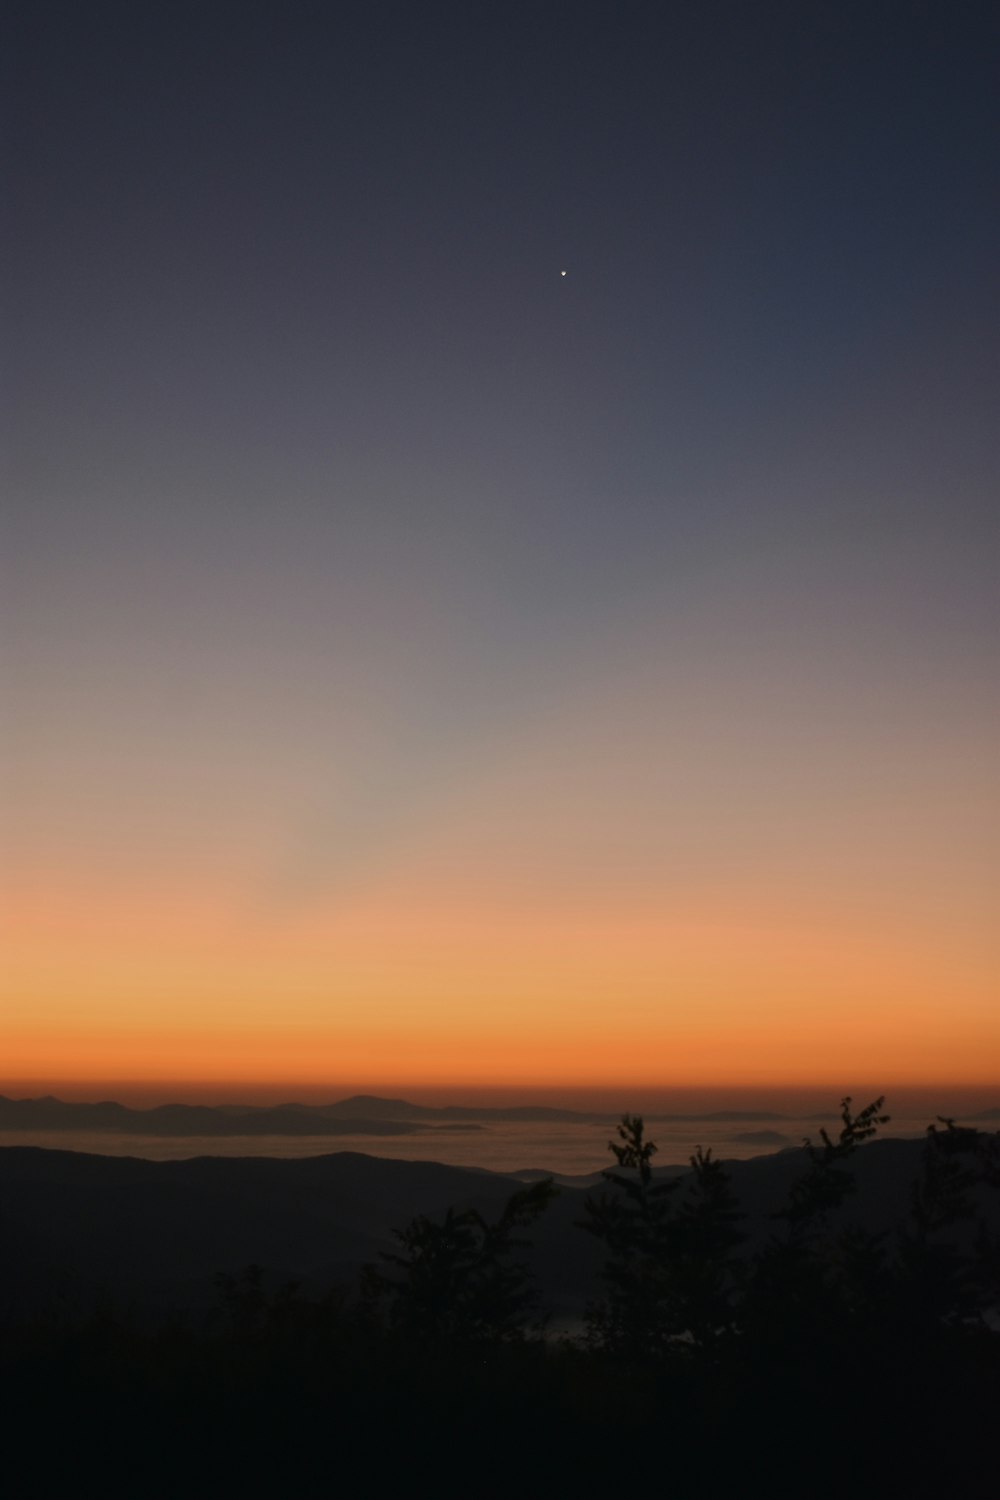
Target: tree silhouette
[824,1186]
[706,1234]
[670,1275]
[632,1318]
[803,1280]
[460,1280]
[949,1257]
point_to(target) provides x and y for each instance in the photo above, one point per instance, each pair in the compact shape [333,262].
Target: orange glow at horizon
[447,988]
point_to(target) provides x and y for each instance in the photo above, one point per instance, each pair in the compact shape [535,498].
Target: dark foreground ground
[793,1326]
[323,1411]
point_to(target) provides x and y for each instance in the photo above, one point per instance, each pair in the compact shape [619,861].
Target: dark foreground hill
[77,1227]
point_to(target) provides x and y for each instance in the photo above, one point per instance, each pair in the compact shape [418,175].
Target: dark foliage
[671,1274]
[634,1318]
[459,1280]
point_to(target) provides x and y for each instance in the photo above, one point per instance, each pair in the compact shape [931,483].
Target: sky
[502,559]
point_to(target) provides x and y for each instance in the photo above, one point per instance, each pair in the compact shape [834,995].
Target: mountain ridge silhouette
[358,1114]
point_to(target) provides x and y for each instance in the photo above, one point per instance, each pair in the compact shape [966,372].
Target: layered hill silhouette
[75,1228]
[361,1114]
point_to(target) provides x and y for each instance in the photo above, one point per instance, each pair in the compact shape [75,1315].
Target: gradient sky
[429,668]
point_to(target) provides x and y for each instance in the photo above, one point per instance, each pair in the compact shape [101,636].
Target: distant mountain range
[361,1114]
[199,1119]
